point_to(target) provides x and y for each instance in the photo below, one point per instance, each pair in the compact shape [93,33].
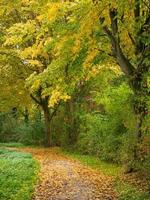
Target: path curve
[62,178]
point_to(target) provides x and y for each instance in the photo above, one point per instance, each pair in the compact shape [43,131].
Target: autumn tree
[12,70]
[116,34]
[128,32]
[24,37]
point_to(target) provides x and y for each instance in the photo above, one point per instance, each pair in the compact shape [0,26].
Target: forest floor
[72,176]
[63,178]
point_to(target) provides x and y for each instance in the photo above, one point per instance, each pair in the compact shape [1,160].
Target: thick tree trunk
[43,103]
[139,87]
[140,113]
[136,150]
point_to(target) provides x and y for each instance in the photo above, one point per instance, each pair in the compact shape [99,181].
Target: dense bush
[98,138]
[17,130]
[105,134]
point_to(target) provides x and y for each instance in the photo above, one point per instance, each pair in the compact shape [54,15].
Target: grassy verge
[18,145]
[125,190]
[95,163]
[11,144]
[18,175]
[129,192]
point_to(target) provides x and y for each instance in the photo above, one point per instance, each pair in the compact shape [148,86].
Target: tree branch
[54,112]
[35,99]
[114,24]
[137,10]
[113,35]
[131,38]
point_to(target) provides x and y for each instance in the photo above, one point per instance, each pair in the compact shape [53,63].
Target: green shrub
[16,130]
[97,138]
[109,134]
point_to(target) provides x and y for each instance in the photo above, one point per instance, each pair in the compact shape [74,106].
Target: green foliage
[31,133]
[106,133]
[18,175]
[17,130]
[96,138]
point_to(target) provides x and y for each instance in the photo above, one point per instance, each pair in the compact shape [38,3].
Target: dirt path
[62,178]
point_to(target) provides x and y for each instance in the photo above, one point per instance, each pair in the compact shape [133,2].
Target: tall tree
[116,33]
[25,37]
[131,23]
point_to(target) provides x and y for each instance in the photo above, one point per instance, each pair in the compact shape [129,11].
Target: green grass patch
[18,145]
[18,175]
[129,192]
[95,163]
[11,144]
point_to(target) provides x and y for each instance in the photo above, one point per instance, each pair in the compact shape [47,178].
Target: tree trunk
[136,150]
[43,103]
[26,116]
[71,123]
[135,74]
[47,141]
[140,113]
[139,87]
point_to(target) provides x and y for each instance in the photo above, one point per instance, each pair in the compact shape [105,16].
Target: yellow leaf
[35,85]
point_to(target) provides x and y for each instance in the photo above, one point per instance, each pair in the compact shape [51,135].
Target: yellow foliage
[89,59]
[37,49]
[89,22]
[52,11]
[35,85]
[27,52]
[35,63]
[56,96]
[34,51]
[40,18]
[77,45]
[96,69]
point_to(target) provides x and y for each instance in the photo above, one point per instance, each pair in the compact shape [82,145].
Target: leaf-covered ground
[63,178]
